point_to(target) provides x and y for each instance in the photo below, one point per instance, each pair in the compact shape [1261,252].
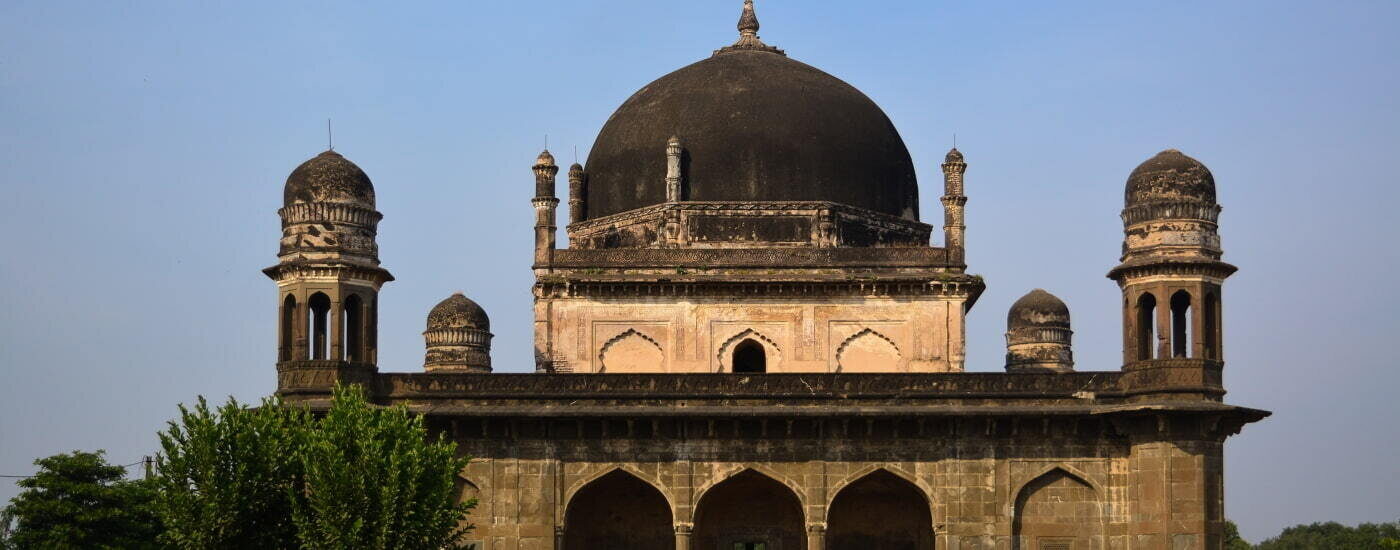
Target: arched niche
[1057,510]
[631,351]
[868,351]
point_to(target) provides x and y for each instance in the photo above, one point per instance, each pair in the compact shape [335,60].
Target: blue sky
[143,146]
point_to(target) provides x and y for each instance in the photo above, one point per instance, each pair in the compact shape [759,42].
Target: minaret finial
[748,34]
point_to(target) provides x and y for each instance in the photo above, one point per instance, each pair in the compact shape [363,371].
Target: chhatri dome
[1170,176]
[756,125]
[329,177]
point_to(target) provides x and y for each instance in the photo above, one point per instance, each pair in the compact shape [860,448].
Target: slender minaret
[673,169]
[953,202]
[1171,273]
[545,204]
[578,187]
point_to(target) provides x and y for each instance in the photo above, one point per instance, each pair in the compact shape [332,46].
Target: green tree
[77,500]
[1233,540]
[225,476]
[375,481]
[1333,536]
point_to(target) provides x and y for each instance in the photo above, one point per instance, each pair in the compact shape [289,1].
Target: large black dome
[755,126]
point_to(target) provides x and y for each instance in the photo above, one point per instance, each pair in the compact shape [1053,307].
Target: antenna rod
[330,138]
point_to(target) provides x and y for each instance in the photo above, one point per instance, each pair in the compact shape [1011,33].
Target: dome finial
[748,21]
[748,34]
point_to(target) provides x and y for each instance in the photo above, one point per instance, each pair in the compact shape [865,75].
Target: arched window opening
[1210,334]
[288,329]
[1146,327]
[320,306]
[749,356]
[1181,324]
[353,329]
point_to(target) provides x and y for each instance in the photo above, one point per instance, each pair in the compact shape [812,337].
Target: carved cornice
[1171,210]
[901,231]
[771,258]
[329,212]
[305,269]
[968,288]
[1188,266]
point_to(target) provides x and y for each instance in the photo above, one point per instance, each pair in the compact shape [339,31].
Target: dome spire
[748,21]
[748,34]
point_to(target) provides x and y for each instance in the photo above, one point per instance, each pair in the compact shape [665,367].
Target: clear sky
[143,147]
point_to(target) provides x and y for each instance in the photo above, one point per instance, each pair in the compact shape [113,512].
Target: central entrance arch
[880,511]
[619,512]
[749,510]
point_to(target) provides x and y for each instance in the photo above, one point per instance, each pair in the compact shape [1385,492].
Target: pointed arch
[880,509]
[287,341]
[750,507]
[352,328]
[1182,333]
[725,354]
[466,490]
[736,469]
[629,469]
[1059,505]
[319,307]
[868,351]
[620,510]
[891,469]
[1146,336]
[631,351]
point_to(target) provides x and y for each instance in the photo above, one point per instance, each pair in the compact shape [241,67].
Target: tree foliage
[375,481]
[225,475]
[275,476]
[1233,540]
[1334,536]
[77,500]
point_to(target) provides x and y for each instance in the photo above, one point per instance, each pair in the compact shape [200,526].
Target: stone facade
[780,365]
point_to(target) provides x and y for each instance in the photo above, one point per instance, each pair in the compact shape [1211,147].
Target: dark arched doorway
[880,511]
[619,512]
[749,356]
[749,511]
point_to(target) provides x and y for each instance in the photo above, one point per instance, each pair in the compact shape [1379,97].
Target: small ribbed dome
[1038,308]
[458,311]
[1170,176]
[545,159]
[954,156]
[328,177]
